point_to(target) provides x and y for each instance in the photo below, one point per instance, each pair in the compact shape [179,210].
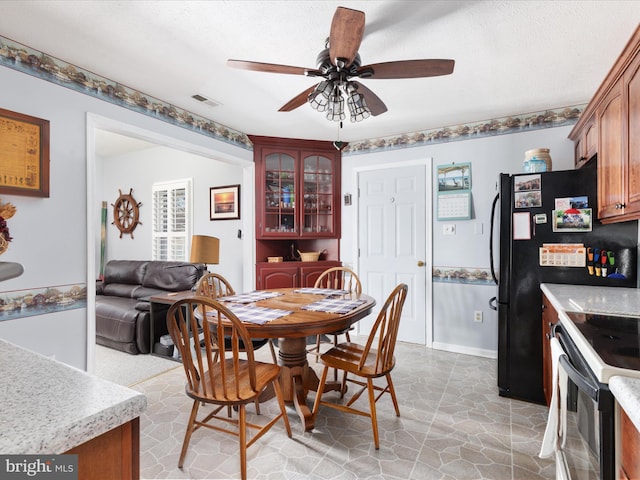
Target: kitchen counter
[627,393]
[49,407]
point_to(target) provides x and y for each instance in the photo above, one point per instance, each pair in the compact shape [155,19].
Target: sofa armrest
[99,287]
[143,306]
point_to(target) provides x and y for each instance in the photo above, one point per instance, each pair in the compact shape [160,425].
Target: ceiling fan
[338,63]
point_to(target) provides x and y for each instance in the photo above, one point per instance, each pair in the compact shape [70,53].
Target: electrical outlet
[449,229]
[477,316]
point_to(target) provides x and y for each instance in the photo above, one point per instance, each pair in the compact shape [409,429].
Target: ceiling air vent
[205,100]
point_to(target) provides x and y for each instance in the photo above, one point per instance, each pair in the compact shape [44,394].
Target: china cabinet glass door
[318,196]
[280,194]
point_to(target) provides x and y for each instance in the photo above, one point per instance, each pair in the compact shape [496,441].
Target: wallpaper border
[41,301]
[22,58]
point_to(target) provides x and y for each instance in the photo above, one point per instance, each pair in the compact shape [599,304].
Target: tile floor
[453,425]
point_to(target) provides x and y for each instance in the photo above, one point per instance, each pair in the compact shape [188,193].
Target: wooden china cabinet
[297,209]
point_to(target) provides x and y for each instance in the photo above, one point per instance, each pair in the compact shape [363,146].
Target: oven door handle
[578,379]
[587,385]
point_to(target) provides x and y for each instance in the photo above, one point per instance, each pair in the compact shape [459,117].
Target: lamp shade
[205,249]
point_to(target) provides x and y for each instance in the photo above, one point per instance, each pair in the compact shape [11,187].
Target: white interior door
[392,242]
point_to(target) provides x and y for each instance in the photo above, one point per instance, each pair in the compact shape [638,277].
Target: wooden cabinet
[614,113]
[277,275]
[619,137]
[297,209]
[290,274]
[630,446]
[114,455]
[586,142]
[610,164]
[297,188]
[632,144]
[549,319]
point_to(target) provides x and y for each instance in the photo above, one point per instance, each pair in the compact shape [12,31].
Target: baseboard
[477,352]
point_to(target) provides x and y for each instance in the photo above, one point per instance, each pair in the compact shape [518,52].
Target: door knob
[420,263]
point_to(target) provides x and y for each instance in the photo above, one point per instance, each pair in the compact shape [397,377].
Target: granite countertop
[49,407]
[611,301]
[583,298]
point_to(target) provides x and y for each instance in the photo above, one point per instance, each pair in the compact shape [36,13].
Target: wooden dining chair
[367,363]
[223,380]
[337,278]
[214,285]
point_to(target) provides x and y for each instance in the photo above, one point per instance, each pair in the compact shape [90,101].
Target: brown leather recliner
[122,306]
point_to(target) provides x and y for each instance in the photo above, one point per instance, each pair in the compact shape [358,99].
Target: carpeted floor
[126,369]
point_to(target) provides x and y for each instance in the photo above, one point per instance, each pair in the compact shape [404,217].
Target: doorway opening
[133,137]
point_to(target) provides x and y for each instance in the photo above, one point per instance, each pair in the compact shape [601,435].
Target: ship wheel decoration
[126,213]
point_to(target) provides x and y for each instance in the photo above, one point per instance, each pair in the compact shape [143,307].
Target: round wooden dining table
[292,331]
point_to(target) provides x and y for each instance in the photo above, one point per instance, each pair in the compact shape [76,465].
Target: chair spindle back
[385,329]
[214,286]
[207,373]
[339,278]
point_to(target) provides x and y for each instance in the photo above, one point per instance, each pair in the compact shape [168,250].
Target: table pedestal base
[298,377]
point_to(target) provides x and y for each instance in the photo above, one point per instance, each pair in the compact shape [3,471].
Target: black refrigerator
[550,209]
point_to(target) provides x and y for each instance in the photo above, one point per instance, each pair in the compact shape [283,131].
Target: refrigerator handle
[493,303]
[493,215]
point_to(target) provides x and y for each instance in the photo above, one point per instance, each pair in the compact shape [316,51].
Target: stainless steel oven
[592,405]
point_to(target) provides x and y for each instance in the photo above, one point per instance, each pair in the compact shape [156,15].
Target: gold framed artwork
[24,154]
[225,202]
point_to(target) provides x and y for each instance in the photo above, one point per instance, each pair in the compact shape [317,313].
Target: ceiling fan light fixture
[358,108]
[335,110]
[319,98]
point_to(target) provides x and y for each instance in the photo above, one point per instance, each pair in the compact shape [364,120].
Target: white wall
[161,164]
[454,304]
[50,234]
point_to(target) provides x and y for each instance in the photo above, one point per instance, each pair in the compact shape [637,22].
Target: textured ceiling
[512,57]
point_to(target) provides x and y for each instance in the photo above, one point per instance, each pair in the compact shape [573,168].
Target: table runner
[334,305]
[322,291]
[249,297]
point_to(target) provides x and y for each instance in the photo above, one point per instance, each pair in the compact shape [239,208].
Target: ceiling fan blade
[298,100]
[408,69]
[347,29]
[376,106]
[266,67]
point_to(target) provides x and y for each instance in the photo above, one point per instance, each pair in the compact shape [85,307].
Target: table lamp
[205,250]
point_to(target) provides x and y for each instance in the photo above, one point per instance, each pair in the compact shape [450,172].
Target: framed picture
[225,202]
[572,220]
[527,183]
[454,177]
[24,154]
[528,199]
